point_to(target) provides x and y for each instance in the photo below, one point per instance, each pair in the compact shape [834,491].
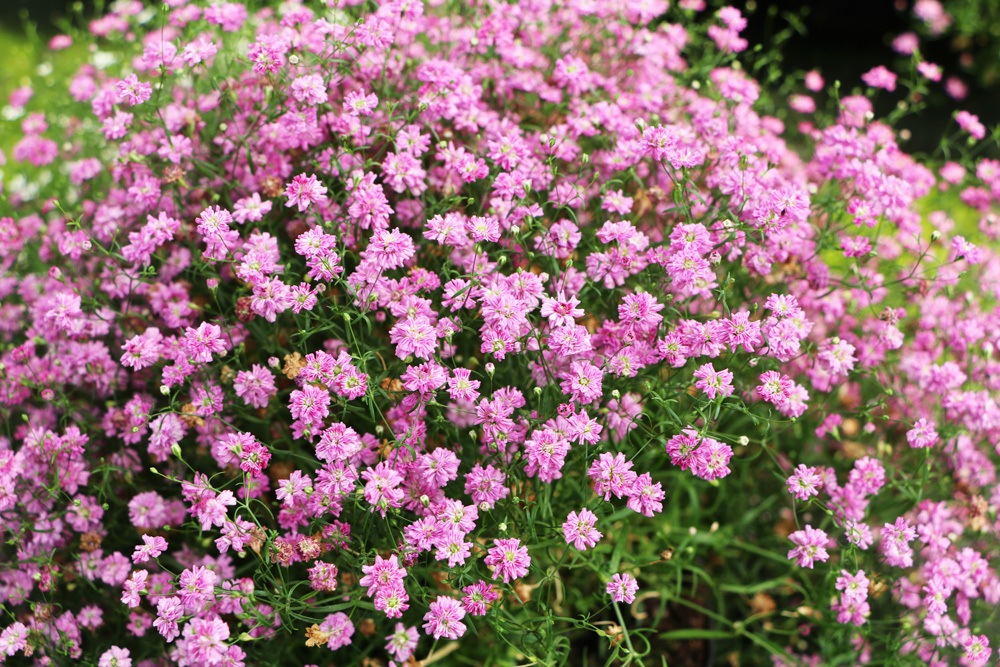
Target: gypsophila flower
[478,597]
[579,529]
[303,191]
[151,548]
[115,657]
[810,547]
[804,482]
[402,642]
[508,559]
[444,619]
[622,588]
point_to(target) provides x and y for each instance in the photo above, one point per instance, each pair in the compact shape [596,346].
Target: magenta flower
[14,638]
[151,548]
[339,628]
[880,77]
[402,642]
[304,191]
[579,529]
[509,559]
[444,619]
[714,383]
[810,546]
[922,434]
[612,475]
[133,586]
[477,597]
[383,573]
[804,482]
[115,657]
[622,588]
[133,91]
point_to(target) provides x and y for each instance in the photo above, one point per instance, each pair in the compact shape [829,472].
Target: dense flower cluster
[394,323]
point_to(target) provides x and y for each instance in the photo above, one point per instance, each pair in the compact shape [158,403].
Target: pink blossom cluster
[389,323]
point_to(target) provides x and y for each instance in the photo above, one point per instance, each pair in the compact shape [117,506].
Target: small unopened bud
[615,394]
[490,368]
[743,441]
[164,389]
[293,60]
[502,527]
[175,449]
[935,235]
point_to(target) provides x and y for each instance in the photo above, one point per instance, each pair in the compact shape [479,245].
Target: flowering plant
[488,333]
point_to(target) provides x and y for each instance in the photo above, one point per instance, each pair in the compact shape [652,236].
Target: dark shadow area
[846,38]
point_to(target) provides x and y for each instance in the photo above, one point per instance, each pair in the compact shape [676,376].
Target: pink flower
[880,77]
[977,649]
[151,548]
[895,543]
[14,638]
[389,249]
[646,497]
[143,350]
[774,387]
[612,475]
[804,482]
[712,459]
[303,191]
[133,91]
[579,529]
[922,434]
[714,383]
[133,586]
[169,610]
[970,123]
[486,486]
[402,642]
[810,546]
[622,588]
[359,104]
[255,386]
[483,229]
[414,336]
[477,597]
[509,559]
[383,573]
[444,618]
[339,628]
[115,657]
[196,588]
